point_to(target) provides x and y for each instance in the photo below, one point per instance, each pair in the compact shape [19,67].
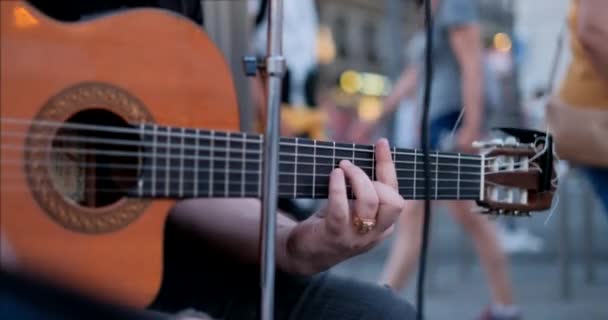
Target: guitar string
[319,174]
[151,155]
[229,136]
[218,150]
[84,164]
[127,154]
[17,162]
[124,142]
[473,194]
[283,174]
[227,150]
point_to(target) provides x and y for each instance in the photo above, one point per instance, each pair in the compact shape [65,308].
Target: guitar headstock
[519,175]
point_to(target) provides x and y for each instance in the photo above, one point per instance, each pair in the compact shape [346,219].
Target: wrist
[285,252]
[295,255]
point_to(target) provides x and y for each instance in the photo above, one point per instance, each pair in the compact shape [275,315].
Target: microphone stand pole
[275,69]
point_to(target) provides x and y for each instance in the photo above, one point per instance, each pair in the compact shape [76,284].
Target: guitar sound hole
[94,158]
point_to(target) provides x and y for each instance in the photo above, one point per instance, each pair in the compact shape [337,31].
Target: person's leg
[197,276]
[492,258]
[405,248]
[333,297]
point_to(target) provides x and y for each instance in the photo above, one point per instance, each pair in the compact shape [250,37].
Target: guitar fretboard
[185,163]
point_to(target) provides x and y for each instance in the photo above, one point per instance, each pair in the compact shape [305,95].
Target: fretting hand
[344,228]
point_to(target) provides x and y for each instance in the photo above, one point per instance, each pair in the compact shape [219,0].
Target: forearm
[472,97]
[467,48]
[404,87]
[234,225]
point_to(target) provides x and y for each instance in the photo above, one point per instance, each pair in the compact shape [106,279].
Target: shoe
[519,240]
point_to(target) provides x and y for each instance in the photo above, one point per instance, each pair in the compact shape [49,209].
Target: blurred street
[546,285]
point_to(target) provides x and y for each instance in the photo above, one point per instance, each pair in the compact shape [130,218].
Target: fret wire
[415,171]
[168,162]
[196,160]
[333,156]
[458,178]
[394,156]
[436,173]
[181,164]
[259,193]
[140,181]
[227,166]
[314,166]
[295,170]
[154,150]
[211,163]
[373,177]
[352,192]
[243,166]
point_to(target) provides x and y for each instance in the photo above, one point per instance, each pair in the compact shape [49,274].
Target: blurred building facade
[363,35]
[537,27]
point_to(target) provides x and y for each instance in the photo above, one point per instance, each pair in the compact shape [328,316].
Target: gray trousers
[198,276]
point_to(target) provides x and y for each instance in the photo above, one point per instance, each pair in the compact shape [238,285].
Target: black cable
[424,141]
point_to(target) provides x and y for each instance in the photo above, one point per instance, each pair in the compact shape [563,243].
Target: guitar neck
[186,163]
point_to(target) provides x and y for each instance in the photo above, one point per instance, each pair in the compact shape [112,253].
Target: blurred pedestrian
[578,114]
[458,82]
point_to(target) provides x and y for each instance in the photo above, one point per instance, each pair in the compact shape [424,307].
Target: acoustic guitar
[106,123]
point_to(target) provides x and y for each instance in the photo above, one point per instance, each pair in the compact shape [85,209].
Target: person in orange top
[578,114]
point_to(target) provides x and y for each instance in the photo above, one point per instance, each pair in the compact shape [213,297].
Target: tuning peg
[523,135]
[488,144]
[511,141]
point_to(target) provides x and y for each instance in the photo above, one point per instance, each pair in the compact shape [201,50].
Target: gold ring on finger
[364,225]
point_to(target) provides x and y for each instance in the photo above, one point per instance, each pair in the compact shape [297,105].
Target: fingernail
[345,163]
[383,140]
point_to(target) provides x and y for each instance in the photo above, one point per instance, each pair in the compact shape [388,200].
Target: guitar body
[139,66]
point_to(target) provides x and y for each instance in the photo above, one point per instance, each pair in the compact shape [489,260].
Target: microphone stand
[275,69]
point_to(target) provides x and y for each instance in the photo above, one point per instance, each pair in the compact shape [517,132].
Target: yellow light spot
[23,18]
[350,82]
[502,42]
[369,108]
[373,84]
